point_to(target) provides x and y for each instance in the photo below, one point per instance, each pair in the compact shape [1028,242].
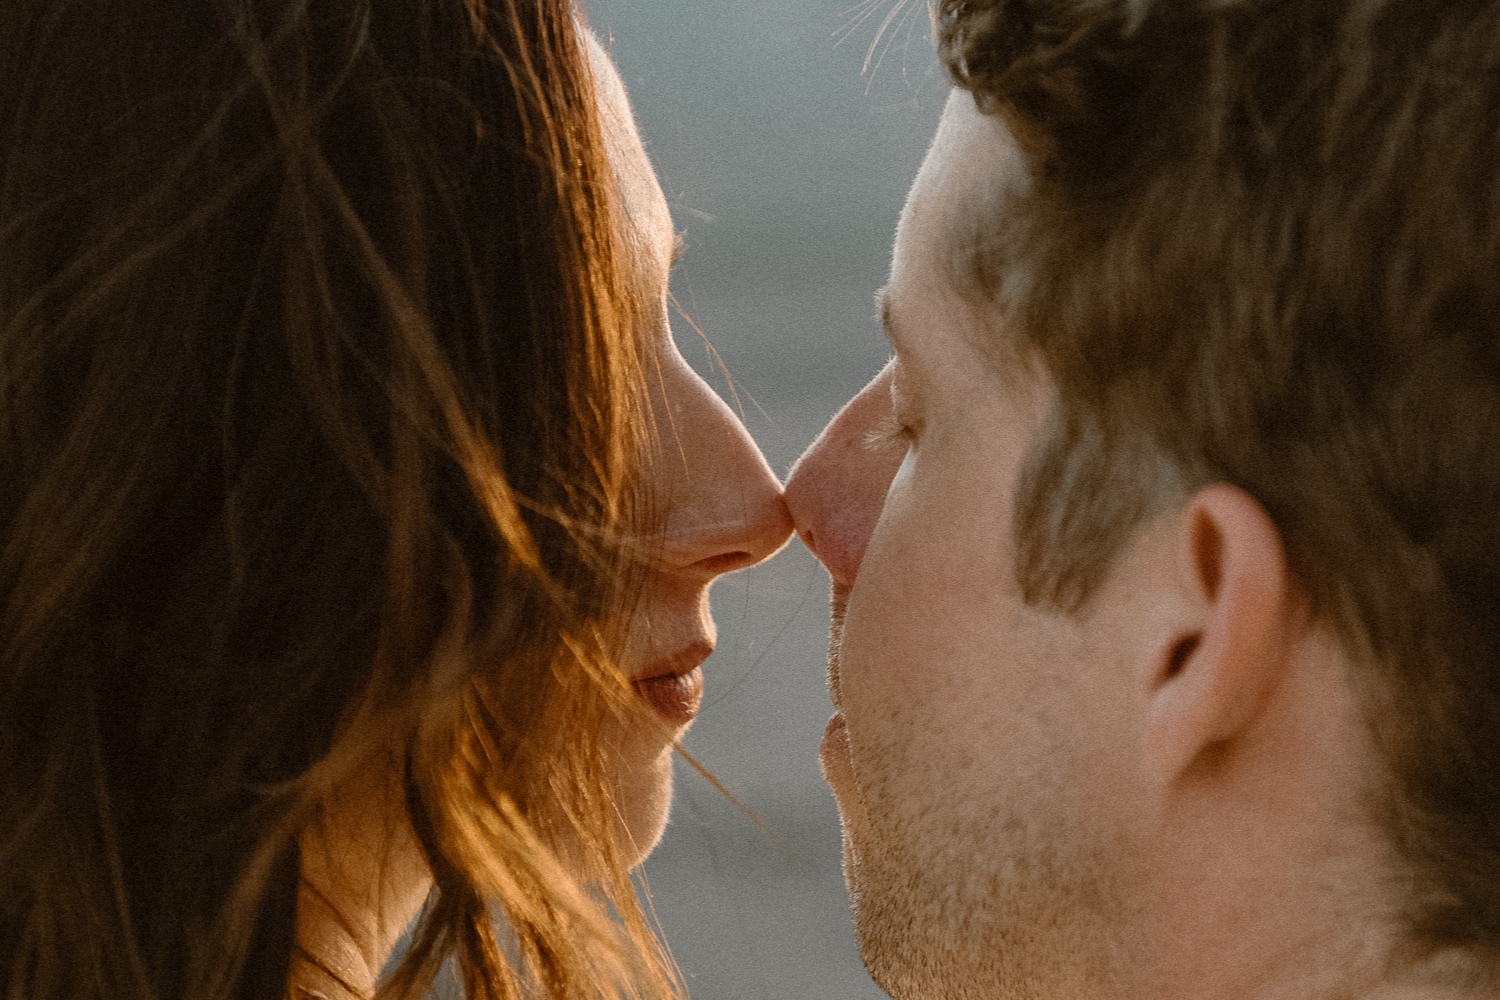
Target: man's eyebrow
[883,309]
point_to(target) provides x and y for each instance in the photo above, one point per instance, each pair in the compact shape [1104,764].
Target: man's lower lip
[675,698]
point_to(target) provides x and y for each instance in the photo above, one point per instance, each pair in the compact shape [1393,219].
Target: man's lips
[834,751]
[838,604]
[674,686]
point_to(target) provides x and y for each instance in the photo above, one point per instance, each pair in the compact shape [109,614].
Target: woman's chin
[644,794]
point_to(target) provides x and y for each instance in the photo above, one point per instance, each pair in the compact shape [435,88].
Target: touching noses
[726,510]
[837,488]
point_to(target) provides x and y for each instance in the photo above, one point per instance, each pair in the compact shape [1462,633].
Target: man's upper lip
[684,661]
[838,605]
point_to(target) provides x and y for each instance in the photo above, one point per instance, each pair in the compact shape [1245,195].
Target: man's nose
[837,488]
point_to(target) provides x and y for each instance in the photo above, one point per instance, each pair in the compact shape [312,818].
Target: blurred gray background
[785,163]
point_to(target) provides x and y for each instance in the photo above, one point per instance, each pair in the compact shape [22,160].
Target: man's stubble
[968,895]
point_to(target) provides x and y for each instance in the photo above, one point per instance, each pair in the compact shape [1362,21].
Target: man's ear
[1215,670]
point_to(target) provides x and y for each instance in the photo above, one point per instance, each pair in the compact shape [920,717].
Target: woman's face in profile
[720,509]
[721,505]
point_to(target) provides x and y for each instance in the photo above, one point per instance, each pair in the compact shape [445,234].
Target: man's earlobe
[1213,673]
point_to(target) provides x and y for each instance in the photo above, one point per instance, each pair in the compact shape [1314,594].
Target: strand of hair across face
[299,991]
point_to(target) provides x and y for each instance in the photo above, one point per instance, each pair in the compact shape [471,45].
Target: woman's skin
[363,875]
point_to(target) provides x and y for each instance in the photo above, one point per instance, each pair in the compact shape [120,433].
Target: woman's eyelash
[888,432]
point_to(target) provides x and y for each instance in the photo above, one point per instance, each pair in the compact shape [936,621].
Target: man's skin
[1160,796]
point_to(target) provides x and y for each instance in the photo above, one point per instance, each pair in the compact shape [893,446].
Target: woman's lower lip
[676,698]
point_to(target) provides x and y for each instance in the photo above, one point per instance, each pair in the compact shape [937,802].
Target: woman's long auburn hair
[320,417]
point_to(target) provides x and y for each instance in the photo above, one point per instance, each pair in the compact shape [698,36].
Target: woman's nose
[726,510]
[837,488]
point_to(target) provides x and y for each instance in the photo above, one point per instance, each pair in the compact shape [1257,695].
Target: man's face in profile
[987,822]
[1165,649]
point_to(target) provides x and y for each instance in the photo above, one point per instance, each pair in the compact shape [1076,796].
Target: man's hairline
[965,273]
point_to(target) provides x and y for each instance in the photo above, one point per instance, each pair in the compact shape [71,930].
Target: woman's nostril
[724,562]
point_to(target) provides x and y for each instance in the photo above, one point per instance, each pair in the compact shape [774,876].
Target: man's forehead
[962,130]
[952,227]
[953,215]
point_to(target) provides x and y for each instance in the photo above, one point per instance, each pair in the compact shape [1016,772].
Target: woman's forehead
[642,195]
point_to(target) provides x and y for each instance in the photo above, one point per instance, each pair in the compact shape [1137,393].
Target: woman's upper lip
[684,661]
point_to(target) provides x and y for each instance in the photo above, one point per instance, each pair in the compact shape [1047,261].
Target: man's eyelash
[888,432]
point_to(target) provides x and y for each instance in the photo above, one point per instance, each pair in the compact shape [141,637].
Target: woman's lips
[675,697]
[673,687]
